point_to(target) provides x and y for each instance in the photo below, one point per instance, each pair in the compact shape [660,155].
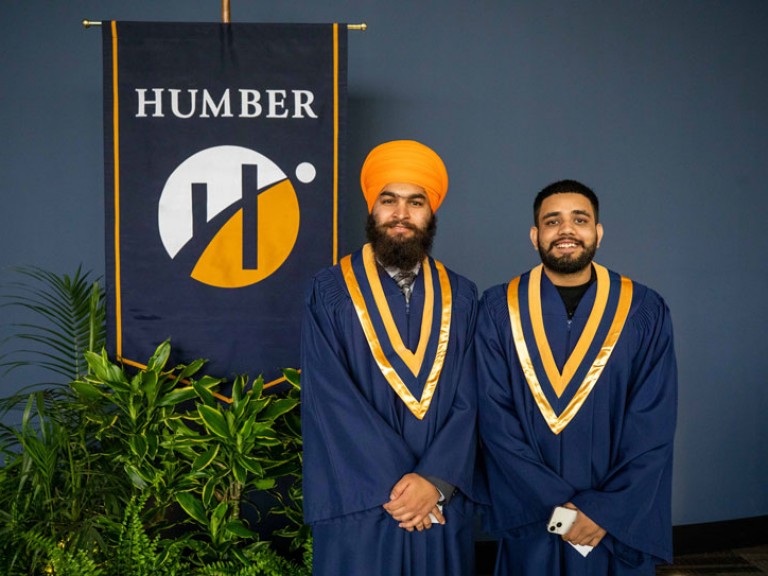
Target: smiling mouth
[565,244]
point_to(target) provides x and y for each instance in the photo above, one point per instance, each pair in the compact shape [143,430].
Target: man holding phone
[577,409]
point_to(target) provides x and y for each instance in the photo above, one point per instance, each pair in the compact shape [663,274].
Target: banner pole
[361,27]
[225,16]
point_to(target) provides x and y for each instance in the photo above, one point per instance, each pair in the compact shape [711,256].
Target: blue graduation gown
[613,460]
[360,438]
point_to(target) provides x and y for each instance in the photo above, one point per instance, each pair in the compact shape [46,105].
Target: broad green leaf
[138,446]
[246,429]
[152,442]
[261,429]
[237,389]
[182,429]
[214,421]
[136,477]
[217,518]
[257,387]
[239,406]
[136,383]
[269,441]
[251,464]
[265,484]
[221,511]
[230,420]
[292,424]
[238,471]
[192,506]
[177,395]
[209,381]
[87,391]
[104,370]
[239,529]
[293,377]
[241,556]
[148,383]
[190,369]
[202,461]
[204,393]
[160,357]
[277,408]
[209,490]
[256,405]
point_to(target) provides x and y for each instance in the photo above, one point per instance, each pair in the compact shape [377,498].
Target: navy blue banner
[224,162]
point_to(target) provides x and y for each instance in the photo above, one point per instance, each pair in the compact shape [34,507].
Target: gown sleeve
[352,457]
[633,500]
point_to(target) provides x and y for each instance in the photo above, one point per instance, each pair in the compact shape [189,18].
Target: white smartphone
[561,520]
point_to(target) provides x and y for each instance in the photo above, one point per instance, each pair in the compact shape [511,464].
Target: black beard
[400,253]
[568,264]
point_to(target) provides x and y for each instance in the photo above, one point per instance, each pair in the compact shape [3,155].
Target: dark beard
[400,253]
[568,264]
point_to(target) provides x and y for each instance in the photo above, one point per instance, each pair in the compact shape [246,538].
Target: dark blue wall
[662,107]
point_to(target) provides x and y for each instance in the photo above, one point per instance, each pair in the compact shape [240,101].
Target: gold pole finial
[89,23]
[362,26]
[225,15]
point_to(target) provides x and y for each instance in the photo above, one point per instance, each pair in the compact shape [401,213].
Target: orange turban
[404,161]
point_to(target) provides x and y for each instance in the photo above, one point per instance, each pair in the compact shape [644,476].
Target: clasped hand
[584,531]
[412,500]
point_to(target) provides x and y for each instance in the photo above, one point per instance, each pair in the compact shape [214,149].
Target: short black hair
[565,187]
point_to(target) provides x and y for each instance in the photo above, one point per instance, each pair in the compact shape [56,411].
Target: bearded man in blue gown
[388,388]
[578,398]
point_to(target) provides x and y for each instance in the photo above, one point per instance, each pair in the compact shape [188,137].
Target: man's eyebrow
[556,213]
[406,196]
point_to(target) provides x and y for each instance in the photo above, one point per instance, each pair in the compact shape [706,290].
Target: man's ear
[535,237]
[599,234]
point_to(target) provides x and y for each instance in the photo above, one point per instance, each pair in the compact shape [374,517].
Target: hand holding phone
[561,520]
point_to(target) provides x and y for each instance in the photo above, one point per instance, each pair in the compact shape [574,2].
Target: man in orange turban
[388,389]
[404,182]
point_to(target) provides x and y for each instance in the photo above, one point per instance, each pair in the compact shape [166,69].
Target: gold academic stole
[413,360]
[560,381]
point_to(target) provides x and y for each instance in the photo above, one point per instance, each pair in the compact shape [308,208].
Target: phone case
[561,520]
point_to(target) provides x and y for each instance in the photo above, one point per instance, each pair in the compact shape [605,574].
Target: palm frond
[63,318]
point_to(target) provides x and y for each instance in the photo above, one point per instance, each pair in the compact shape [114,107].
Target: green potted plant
[125,471]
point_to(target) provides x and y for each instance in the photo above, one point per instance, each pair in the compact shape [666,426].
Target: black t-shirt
[572,295]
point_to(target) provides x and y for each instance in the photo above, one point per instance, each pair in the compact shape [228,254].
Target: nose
[566,226]
[401,210]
